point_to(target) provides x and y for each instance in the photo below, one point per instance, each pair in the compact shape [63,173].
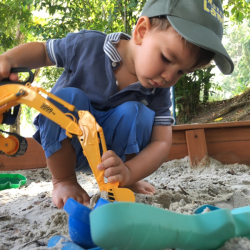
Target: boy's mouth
[155,84]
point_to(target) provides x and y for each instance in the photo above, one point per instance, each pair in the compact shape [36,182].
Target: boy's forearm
[149,159]
[31,55]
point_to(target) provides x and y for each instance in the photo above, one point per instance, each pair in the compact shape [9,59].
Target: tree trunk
[15,128]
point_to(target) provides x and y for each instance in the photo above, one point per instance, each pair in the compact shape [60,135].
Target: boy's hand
[68,188]
[5,67]
[114,168]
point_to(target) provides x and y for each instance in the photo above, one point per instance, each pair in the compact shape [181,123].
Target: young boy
[125,83]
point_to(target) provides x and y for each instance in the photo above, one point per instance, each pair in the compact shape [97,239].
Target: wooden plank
[227,134]
[179,137]
[197,147]
[225,152]
[230,152]
[211,125]
[216,135]
[177,152]
[33,158]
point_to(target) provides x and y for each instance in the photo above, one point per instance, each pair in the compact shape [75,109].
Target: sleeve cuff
[164,120]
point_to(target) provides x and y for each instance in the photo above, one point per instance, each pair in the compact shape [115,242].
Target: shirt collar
[109,45]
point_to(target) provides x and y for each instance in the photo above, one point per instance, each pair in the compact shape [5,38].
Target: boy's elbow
[47,61]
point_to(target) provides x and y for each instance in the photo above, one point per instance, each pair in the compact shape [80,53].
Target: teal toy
[130,226]
[139,226]
[241,217]
[11,181]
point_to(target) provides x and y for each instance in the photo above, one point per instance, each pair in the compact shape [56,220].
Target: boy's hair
[203,56]
[199,22]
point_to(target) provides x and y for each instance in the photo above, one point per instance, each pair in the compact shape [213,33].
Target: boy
[125,83]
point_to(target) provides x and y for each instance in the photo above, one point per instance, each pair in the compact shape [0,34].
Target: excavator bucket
[121,194]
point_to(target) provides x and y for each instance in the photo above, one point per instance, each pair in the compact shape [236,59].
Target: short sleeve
[62,51]
[161,104]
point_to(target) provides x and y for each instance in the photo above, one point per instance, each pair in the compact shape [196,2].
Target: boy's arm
[31,55]
[151,158]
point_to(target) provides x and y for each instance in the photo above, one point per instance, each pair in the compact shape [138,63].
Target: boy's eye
[164,59]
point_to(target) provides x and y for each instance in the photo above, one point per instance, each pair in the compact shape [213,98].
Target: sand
[28,218]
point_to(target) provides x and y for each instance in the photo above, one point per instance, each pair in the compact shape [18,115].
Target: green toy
[11,181]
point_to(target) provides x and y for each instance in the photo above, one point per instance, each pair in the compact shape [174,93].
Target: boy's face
[160,57]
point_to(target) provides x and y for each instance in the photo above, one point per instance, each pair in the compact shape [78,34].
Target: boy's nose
[168,77]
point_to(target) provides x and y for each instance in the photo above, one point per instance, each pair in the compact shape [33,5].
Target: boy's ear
[141,29]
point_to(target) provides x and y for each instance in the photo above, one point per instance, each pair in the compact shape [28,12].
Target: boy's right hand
[5,67]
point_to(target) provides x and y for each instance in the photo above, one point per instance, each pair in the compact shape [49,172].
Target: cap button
[114,64]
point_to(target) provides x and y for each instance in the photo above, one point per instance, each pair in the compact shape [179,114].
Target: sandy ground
[28,218]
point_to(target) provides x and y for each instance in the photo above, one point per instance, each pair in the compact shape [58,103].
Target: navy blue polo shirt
[89,58]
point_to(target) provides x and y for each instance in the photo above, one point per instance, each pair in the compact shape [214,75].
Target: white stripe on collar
[109,45]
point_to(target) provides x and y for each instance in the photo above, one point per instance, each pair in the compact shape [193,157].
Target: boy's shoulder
[92,33]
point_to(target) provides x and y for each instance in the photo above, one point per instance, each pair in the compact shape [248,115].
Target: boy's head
[198,22]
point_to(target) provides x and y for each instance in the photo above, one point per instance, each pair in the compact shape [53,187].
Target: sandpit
[28,218]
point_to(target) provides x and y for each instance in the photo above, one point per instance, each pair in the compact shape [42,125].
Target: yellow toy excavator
[12,94]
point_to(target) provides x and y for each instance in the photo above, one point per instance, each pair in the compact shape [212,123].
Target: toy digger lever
[13,94]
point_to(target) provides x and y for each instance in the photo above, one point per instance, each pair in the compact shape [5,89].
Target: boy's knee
[75,97]
[69,94]
[133,109]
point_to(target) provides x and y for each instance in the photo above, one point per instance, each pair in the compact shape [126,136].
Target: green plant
[189,89]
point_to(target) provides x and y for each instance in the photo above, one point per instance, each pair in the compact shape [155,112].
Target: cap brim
[204,38]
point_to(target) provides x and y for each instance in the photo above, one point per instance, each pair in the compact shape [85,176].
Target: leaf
[218,119]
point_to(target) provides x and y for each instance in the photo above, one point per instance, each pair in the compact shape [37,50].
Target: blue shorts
[127,128]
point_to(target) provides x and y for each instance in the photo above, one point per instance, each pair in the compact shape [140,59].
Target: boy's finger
[112,172]
[108,163]
[108,154]
[115,178]
[13,77]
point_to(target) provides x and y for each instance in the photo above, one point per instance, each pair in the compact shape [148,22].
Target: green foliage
[102,15]
[238,47]
[14,17]
[237,10]
[189,90]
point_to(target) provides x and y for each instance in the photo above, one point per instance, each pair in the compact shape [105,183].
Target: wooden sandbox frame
[228,143]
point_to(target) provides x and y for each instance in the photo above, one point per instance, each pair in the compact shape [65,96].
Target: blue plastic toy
[79,224]
[79,227]
[67,244]
[200,209]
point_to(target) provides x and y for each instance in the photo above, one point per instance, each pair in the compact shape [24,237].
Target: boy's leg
[127,130]
[61,151]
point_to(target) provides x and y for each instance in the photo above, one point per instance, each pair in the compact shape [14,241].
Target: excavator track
[23,144]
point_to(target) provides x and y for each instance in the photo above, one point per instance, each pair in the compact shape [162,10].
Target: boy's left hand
[114,168]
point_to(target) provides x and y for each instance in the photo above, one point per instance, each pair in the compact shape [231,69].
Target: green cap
[198,21]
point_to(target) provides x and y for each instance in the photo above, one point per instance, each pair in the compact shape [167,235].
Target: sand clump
[28,218]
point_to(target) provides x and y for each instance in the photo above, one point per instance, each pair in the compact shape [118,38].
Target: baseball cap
[198,21]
